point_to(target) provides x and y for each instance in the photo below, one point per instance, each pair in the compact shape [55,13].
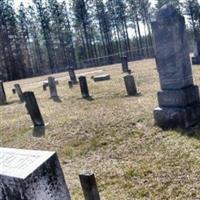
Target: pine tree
[104,28]
[134,16]
[9,39]
[175,3]
[62,30]
[24,36]
[44,17]
[83,27]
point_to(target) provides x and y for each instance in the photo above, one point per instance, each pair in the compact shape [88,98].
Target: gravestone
[33,109]
[103,77]
[52,87]
[89,186]
[196,58]
[46,84]
[130,85]
[179,99]
[70,84]
[13,91]
[19,92]
[2,94]
[72,75]
[31,175]
[124,61]
[84,87]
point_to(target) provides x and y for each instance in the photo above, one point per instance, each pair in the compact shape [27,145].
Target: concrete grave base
[103,77]
[177,117]
[31,175]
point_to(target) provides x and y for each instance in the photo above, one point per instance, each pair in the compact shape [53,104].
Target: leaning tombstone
[52,87]
[84,87]
[130,85]
[124,61]
[2,94]
[179,103]
[72,75]
[31,175]
[19,92]
[89,186]
[196,58]
[33,109]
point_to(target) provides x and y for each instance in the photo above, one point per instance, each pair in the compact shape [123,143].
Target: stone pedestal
[33,109]
[179,103]
[31,175]
[84,87]
[130,85]
[2,94]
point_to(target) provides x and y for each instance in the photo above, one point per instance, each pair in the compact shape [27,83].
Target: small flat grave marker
[103,77]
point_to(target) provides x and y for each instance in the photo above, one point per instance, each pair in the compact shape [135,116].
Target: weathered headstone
[46,84]
[52,87]
[130,85]
[31,175]
[179,99]
[124,61]
[19,92]
[2,94]
[13,91]
[129,71]
[84,87]
[33,109]
[70,84]
[196,58]
[89,186]
[103,77]
[72,75]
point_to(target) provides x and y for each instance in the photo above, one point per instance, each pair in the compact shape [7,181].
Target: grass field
[113,135]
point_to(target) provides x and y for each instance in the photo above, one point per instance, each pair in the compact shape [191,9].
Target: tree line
[50,36]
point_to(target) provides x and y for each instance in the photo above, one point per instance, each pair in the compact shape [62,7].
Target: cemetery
[127,130]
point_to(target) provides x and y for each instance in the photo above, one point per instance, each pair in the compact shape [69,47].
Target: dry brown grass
[113,136]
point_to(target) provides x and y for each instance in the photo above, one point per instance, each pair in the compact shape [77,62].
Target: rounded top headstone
[167,14]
